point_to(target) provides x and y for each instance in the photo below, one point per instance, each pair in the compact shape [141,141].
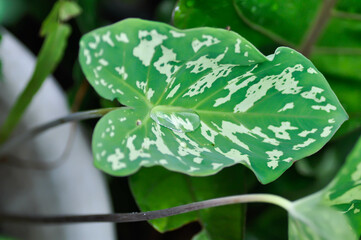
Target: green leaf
[11,11]
[89,19]
[157,188]
[344,192]
[201,236]
[310,219]
[68,10]
[263,112]
[334,212]
[61,12]
[336,53]
[215,13]
[50,55]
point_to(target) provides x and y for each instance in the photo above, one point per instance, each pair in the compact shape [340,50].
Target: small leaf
[263,112]
[11,11]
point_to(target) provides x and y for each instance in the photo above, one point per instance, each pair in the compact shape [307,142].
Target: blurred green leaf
[61,12]
[202,236]
[158,188]
[349,94]
[288,20]
[216,13]
[351,6]
[49,56]
[164,10]
[89,19]
[68,10]
[11,10]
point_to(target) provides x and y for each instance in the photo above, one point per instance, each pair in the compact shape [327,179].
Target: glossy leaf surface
[157,188]
[263,112]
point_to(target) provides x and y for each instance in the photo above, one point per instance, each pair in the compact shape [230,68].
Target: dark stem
[278,39]
[144,216]
[316,28]
[79,116]
[346,15]
[337,50]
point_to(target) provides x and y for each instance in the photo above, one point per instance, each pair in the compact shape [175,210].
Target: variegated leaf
[344,192]
[309,218]
[204,99]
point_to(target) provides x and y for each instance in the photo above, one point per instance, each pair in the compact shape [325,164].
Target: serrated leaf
[157,188]
[263,112]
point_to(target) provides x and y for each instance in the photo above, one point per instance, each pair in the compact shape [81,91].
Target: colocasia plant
[203,99]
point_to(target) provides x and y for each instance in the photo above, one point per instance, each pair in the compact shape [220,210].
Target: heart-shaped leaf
[203,99]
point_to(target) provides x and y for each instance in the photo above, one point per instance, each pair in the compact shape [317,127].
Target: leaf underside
[263,112]
[344,192]
[334,212]
[311,219]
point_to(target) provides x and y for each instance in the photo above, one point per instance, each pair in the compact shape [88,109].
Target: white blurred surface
[74,187]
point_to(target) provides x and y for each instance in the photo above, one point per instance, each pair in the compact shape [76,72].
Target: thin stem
[261,29]
[346,15]
[79,116]
[144,216]
[316,28]
[337,51]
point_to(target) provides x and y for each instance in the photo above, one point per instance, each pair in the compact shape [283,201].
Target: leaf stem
[346,15]
[278,39]
[78,116]
[316,28]
[337,50]
[144,216]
